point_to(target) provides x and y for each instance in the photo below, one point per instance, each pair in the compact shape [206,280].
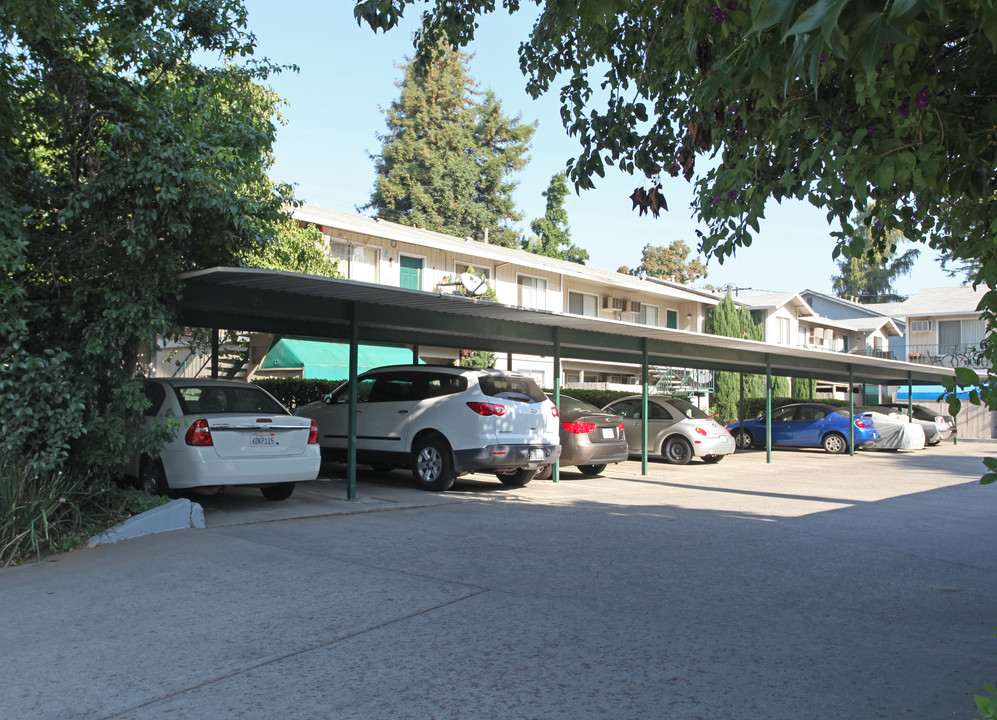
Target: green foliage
[124,164]
[295,392]
[477,359]
[842,104]
[731,320]
[447,158]
[755,406]
[42,514]
[803,388]
[295,249]
[553,236]
[669,262]
[870,277]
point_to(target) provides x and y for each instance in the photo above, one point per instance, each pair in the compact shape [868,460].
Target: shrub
[44,513]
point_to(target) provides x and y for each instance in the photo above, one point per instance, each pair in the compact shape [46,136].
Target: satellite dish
[474,284]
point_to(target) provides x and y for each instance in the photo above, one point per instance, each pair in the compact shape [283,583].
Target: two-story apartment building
[377,251]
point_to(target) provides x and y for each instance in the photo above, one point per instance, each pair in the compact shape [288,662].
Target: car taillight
[578,428]
[940,419]
[621,426]
[487,408]
[859,424]
[313,434]
[198,434]
[553,410]
[701,431]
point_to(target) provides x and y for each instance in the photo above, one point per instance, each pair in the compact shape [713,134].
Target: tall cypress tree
[553,236]
[730,320]
[446,159]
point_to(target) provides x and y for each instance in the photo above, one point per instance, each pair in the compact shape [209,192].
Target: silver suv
[443,422]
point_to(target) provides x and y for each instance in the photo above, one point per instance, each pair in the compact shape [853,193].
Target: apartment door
[411,272]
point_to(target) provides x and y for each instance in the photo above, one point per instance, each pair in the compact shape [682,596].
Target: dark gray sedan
[591,439]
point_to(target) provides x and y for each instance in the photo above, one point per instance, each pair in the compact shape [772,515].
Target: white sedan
[228,433]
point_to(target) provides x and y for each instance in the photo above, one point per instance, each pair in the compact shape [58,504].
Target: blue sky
[348,74]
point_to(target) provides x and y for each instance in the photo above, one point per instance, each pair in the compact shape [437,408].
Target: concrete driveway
[815,587]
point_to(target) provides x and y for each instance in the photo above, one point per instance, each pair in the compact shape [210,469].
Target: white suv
[443,422]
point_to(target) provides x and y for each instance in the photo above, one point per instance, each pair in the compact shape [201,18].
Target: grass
[42,514]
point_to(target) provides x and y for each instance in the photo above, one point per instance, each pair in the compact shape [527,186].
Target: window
[463,267]
[649,315]
[783,329]
[783,414]
[672,319]
[810,414]
[532,292]
[583,304]
[357,262]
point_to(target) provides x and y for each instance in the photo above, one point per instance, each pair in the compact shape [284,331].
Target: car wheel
[152,477]
[280,491]
[591,470]
[712,459]
[517,478]
[677,450]
[544,473]
[432,465]
[835,443]
[745,443]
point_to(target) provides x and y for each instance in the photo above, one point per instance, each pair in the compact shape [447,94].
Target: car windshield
[688,409]
[574,405]
[196,399]
[508,387]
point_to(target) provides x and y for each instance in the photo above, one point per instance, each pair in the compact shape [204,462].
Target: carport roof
[312,306]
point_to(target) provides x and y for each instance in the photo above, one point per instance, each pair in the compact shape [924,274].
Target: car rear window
[523,389]
[197,399]
[688,409]
[574,405]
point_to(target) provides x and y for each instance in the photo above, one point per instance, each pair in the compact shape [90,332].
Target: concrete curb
[175,515]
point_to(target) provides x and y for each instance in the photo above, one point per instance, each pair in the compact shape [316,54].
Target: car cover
[895,433]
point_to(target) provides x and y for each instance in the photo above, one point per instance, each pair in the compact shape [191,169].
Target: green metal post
[214,353]
[643,408]
[351,423]
[955,430]
[910,396]
[740,410]
[557,395]
[851,412]
[415,354]
[768,410]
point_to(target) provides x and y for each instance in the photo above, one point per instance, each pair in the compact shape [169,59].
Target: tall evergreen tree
[870,276]
[552,235]
[447,159]
[730,320]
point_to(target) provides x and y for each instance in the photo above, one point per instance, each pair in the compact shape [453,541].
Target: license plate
[263,438]
[609,432]
[536,454]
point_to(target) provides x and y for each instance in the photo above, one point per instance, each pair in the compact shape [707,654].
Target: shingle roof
[940,301]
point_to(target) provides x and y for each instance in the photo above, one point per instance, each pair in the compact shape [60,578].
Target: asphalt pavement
[817,586]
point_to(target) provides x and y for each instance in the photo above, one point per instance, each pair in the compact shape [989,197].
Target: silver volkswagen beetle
[677,429]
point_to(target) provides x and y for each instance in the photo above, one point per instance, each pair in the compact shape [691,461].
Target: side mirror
[327,398]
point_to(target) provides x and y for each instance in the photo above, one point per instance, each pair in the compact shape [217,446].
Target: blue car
[806,425]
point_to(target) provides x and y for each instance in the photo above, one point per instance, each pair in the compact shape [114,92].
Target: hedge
[295,392]
[755,406]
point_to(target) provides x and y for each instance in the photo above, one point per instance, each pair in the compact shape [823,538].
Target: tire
[712,459]
[432,464]
[518,478]
[591,470]
[280,491]
[834,443]
[748,440]
[152,477]
[544,473]
[677,450]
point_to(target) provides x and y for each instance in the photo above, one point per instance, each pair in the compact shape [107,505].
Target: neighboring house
[377,251]
[944,326]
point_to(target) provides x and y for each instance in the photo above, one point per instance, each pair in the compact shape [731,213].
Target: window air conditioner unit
[619,304]
[634,306]
[920,326]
